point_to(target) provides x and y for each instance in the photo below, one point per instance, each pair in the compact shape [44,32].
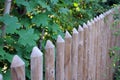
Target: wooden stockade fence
[82,56]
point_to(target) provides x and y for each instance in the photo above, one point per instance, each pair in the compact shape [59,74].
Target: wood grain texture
[90,53]
[80,53]
[74,54]
[85,55]
[95,45]
[60,50]
[67,56]
[102,65]
[93,54]
[49,61]
[17,68]
[36,64]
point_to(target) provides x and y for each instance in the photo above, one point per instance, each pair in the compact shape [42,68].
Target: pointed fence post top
[80,28]
[99,18]
[89,23]
[92,21]
[17,61]
[36,52]
[49,44]
[85,26]
[60,39]
[104,13]
[75,31]
[102,16]
[95,19]
[67,35]
[107,13]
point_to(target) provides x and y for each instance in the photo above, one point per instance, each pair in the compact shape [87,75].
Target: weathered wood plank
[17,68]
[74,54]
[60,47]
[49,61]
[36,64]
[80,53]
[67,56]
[85,55]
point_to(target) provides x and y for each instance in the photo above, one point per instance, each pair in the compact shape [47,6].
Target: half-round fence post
[17,68]
[60,58]
[74,54]
[36,64]
[67,56]
[49,61]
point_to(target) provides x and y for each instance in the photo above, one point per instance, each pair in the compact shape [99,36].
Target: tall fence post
[67,56]
[98,48]
[60,58]
[49,61]
[74,54]
[90,53]
[80,53]
[103,54]
[93,54]
[85,55]
[36,64]
[95,46]
[17,69]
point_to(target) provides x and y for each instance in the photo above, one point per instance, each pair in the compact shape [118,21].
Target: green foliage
[10,21]
[32,22]
[114,51]
[40,19]
[27,37]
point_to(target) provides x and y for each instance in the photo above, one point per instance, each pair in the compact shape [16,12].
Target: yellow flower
[31,17]
[77,9]
[75,4]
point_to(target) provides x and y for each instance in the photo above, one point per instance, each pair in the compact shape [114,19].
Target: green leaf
[104,0]
[7,19]
[64,10]
[11,23]
[28,37]
[12,28]
[40,19]
[20,2]
[26,22]
[44,5]
[5,56]
[6,75]
[0,31]
[8,57]
[29,7]
[2,52]
[54,27]
[54,1]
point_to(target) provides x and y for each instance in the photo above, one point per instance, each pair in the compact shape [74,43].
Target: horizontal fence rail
[82,55]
